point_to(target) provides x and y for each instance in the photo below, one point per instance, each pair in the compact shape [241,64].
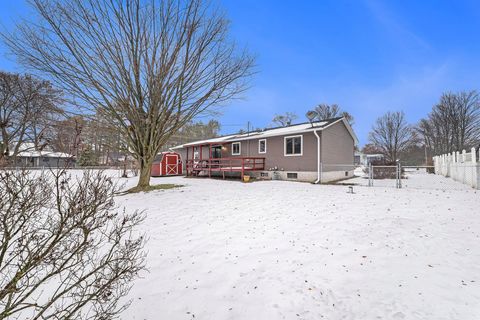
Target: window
[262,146]
[236,150]
[292,175]
[294,146]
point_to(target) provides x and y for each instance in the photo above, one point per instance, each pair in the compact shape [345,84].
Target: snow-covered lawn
[285,250]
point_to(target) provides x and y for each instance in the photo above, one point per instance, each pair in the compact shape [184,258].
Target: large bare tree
[151,65]
[28,107]
[453,124]
[392,135]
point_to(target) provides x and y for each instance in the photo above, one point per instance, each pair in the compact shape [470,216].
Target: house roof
[42,154]
[28,150]
[272,132]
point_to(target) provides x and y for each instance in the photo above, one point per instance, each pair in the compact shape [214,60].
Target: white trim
[294,129]
[239,148]
[285,146]
[265,151]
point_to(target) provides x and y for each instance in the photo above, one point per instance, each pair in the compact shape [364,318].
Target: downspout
[318,157]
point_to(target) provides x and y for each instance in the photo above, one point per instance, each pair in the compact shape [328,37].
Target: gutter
[319,178]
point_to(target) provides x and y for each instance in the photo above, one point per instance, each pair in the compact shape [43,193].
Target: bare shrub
[66,252]
[384,170]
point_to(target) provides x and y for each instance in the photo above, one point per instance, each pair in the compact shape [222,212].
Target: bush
[65,252]
[386,170]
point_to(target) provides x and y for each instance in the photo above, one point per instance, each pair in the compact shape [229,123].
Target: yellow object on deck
[246,178]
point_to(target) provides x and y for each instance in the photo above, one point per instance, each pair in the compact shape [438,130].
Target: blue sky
[367,56]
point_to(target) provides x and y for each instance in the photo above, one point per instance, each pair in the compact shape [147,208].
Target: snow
[38,154]
[286,250]
[412,178]
[298,128]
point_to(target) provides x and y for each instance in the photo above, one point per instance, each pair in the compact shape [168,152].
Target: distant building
[41,159]
[31,158]
[366,159]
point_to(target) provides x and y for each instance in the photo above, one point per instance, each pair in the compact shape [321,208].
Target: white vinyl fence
[463,167]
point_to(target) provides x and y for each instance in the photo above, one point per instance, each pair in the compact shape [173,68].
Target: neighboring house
[322,150]
[29,157]
[40,159]
[365,159]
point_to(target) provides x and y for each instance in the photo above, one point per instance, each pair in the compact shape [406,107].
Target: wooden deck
[237,164]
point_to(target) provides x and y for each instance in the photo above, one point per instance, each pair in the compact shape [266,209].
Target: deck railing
[237,164]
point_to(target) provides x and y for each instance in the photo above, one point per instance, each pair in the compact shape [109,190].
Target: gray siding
[337,148]
[337,145]
[275,156]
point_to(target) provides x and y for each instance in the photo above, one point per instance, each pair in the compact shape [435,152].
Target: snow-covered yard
[285,250]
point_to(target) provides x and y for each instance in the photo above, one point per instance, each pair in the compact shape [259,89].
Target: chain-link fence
[398,176]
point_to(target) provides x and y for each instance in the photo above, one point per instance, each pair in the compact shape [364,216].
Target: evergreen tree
[87,157]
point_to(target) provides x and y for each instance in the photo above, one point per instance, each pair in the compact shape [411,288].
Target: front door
[171,164]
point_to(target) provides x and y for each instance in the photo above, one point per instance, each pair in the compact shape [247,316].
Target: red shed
[167,164]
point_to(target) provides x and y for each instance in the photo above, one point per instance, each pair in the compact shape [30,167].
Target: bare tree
[27,107]
[150,65]
[66,134]
[195,131]
[65,251]
[10,124]
[326,111]
[392,135]
[453,124]
[285,119]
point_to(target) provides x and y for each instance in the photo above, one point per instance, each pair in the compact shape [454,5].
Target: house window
[292,175]
[294,146]
[236,149]
[262,146]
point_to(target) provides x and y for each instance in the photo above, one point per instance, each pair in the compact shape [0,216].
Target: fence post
[370,174]
[399,175]
[474,155]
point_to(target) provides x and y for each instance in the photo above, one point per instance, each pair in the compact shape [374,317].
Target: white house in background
[29,157]
[366,159]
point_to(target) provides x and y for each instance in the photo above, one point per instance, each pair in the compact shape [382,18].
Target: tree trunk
[145,171]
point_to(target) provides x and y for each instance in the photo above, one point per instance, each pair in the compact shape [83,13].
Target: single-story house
[319,151]
[40,159]
[365,159]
